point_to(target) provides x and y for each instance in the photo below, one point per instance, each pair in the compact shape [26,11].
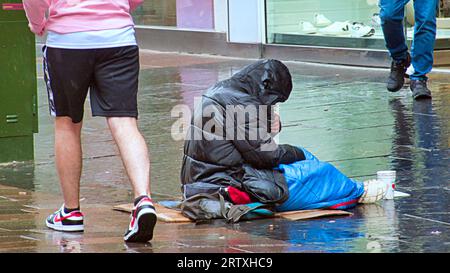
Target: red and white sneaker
[143,220]
[61,221]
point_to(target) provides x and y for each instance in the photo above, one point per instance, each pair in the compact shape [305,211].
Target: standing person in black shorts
[91,45]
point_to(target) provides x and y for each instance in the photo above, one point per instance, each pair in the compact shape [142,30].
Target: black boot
[397,76]
[420,90]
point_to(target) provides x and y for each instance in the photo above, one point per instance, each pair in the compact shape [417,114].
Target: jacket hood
[269,80]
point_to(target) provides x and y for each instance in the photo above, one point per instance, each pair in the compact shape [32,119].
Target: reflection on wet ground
[343,115]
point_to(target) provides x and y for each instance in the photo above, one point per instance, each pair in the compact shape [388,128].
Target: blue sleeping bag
[318,185]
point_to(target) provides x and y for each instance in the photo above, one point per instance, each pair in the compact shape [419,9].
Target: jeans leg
[392,13]
[424,37]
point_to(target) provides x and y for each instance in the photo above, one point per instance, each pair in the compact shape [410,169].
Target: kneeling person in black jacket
[230,156]
[240,154]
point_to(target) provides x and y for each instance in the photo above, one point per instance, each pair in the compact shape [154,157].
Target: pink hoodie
[68,16]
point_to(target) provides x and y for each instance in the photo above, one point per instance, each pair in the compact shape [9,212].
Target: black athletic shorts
[111,75]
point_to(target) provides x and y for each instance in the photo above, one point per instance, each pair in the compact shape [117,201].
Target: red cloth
[238,197]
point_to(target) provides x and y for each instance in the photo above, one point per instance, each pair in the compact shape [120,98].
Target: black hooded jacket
[214,154]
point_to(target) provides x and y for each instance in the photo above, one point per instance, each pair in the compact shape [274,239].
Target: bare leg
[68,154]
[133,151]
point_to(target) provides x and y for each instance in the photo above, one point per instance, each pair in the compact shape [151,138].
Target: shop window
[186,14]
[443,22]
[343,23]
[156,13]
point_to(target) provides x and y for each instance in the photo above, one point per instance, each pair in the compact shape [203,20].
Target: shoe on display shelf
[307,28]
[336,28]
[360,30]
[321,21]
[375,21]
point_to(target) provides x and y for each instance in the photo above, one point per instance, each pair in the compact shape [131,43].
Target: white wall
[246,21]
[221,15]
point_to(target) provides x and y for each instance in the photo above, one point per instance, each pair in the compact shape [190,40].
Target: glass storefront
[327,23]
[156,13]
[184,14]
[343,23]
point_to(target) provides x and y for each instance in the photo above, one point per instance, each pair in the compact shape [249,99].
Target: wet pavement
[343,115]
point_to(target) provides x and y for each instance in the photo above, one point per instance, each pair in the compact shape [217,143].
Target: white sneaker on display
[336,28]
[321,21]
[307,27]
[360,30]
[374,190]
[375,21]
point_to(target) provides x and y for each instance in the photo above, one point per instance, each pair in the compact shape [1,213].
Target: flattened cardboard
[173,216]
[309,214]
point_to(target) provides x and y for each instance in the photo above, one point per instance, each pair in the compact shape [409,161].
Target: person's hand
[36,31]
[41,33]
[276,124]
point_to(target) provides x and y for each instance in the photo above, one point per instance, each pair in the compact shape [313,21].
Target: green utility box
[18,84]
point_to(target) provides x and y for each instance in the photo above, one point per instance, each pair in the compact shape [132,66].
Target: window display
[443,20]
[322,25]
[344,23]
[442,23]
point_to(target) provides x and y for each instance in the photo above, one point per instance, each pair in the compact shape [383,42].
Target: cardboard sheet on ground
[173,216]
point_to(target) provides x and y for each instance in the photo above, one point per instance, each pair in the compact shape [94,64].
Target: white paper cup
[388,177]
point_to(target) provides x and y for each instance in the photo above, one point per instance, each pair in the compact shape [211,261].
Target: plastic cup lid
[386,173]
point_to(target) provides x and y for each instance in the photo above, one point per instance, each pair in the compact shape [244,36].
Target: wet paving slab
[343,115]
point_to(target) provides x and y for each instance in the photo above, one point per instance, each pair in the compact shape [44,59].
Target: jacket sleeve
[258,148]
[134,4]
[260,157]
[35,11]
[265,185]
